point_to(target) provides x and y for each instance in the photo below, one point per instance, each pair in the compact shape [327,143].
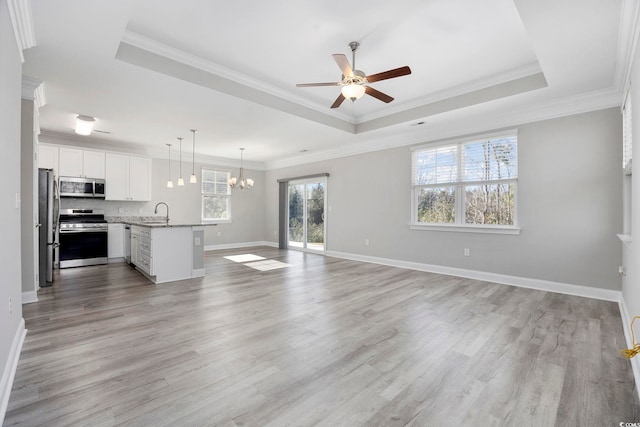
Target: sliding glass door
[306,221]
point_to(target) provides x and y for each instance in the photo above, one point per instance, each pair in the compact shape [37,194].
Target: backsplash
[134,218]
[111,208]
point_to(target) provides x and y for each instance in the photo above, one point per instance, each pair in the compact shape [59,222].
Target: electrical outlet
[10,306]
[139,210]
[366,242]
[275,232]
[467,252]
[197,242]
[219,233]
[120,210]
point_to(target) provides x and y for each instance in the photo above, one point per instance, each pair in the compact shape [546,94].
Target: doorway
[306,221]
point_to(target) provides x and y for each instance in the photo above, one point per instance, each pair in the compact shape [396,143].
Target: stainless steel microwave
[71,186]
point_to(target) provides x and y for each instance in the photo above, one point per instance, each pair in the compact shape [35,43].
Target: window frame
[459,185]
[204,194]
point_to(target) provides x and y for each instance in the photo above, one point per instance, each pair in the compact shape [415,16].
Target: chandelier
[240,182]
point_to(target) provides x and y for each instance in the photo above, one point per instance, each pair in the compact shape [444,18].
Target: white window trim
[459,226]
[468,228]
[202,195]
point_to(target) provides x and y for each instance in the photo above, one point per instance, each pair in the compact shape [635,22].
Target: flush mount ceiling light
[84,124]
[193,179]
[169,182]
[240,182]
[180,180]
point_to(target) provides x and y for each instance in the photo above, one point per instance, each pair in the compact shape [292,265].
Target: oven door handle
[86,230]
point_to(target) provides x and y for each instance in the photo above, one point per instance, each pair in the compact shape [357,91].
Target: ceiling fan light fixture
[353,91]
[84,124]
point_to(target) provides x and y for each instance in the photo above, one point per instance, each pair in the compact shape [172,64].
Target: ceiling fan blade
[377,94]
[397,72]
[317,84]
[338,101]
[343,63]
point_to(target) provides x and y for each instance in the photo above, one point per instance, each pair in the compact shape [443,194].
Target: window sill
[216,221]
[625,238]
[467,228]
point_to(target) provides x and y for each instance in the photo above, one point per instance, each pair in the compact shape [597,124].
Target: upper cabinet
[76,162]
[48,157]
[127,177]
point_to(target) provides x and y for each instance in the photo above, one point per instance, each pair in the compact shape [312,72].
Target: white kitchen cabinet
[165,254]
[81,163]
[115,241]
[127,177]
[140,178]
[48,157]
[141,249]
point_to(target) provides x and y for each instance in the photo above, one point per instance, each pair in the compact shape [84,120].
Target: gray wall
[569,207]
[10,275]
[28,210]
[631,283]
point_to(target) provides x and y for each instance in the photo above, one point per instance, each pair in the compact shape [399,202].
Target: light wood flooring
[326,342]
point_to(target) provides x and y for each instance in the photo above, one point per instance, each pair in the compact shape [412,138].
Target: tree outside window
[215,195]
[467,183]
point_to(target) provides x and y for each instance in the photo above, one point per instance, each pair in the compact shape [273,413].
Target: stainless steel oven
[83,237]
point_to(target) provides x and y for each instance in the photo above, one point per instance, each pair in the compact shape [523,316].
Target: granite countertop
[152,221]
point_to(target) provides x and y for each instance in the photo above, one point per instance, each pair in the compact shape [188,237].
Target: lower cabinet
[166,254]
[141,249]
[115,241]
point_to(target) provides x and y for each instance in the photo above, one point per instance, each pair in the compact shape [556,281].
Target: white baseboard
[635,362]
[9,372]
[31,296]
[240,245]
[523,282]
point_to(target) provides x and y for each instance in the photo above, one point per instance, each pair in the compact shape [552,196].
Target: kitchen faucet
[156,210]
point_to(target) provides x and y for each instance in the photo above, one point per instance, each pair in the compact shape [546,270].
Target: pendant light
[180,180]
[193,179]
[169,183]
[240,182]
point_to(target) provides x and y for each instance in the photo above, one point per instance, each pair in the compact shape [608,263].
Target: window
[215,196]
[470,185]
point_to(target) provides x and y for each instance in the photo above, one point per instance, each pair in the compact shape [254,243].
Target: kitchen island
[167,252]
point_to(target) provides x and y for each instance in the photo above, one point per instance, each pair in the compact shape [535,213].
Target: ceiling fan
[355,83]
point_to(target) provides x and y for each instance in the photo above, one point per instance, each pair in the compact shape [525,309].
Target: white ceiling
[150,70]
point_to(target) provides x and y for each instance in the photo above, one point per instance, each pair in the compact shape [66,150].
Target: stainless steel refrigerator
[47,223]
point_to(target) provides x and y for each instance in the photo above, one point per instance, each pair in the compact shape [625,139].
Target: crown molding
[478,123]
[456,91]
[22,22]
[159,48]
[93,143]
[33,89]
[151,54]
[628,35]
